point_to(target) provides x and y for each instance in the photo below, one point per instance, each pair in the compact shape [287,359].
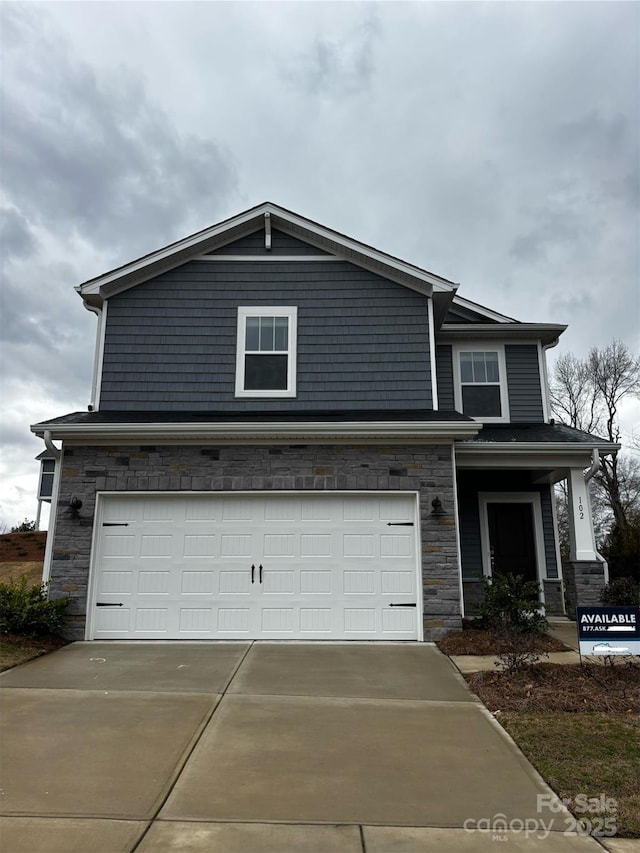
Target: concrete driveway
[230,747]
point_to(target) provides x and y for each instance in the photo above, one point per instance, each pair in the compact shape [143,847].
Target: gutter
[373,431]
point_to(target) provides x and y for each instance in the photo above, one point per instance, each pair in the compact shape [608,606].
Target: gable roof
[96,290]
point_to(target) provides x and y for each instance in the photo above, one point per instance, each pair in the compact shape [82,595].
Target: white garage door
[256,566]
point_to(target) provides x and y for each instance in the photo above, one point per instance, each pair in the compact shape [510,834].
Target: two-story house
[293,435]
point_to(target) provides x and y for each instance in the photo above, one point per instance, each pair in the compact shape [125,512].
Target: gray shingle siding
[444,370]
[523,380]
[363,341]
[281,244]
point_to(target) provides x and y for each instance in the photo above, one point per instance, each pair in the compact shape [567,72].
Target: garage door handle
[403,605]
[253,571]
[108,604]
[260,567]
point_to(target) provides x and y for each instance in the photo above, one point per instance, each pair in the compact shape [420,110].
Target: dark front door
[511,539]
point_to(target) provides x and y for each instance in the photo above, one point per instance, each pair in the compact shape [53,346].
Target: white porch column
[582,544]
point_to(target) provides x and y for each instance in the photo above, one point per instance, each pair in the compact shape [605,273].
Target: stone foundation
[553,597]
[583,581]
[425,469]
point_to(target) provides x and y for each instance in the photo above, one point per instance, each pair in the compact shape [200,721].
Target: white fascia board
[371,431]
[94,286]
[133,273]
[518,332]
[476,308]
[527,455]
[346,243]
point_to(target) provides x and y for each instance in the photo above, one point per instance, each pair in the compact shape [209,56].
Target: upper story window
[45,487]
[266,351]
[480,383]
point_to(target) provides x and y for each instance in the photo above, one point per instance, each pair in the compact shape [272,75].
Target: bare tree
[586,394]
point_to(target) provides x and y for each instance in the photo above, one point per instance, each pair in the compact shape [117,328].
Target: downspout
[57,455]
[98,354]
[596,464]
[546,397]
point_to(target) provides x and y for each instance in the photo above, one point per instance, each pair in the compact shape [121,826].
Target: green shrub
[25,527]
[621,592]
[512,606]
[511,609]
[24,609]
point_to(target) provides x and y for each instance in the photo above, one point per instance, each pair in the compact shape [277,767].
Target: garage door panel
[118,545]
[152,620]
[280,620]
[197,583]
[113,620]
[279,545]
[199,545]
[315,545]
[331,566]
[160,511]
[397,583]
[278,582]
[156,546]
[238,509]
[284,509]
[358,545]
[236,545]
[315,620]
[232,620]
[398,620]
[316,582]
[196,620]
[359,583]
[201,509]
[234,582]
[360,620]
[115,583]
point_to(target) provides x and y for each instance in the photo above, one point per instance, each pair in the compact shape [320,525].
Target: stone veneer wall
[426,469]
[584,581]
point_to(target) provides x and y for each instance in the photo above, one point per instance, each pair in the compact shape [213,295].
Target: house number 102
[580,508]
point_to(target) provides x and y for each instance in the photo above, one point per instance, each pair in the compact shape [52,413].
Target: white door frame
[92,586]
[531,498]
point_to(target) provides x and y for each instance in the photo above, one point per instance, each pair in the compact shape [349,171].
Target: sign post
[608,630]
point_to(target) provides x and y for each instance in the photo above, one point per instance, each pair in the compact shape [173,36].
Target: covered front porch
[507,516]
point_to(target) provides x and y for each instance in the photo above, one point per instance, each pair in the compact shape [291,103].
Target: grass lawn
[579,725]
[589,754]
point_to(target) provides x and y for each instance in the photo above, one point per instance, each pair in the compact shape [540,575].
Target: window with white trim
[266,351]
[480,386]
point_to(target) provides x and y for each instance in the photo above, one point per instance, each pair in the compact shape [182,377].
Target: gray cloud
[494,144]
[94,155]
[340,66]
[16,236]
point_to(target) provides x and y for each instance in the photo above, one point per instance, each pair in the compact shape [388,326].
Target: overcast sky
[495,144]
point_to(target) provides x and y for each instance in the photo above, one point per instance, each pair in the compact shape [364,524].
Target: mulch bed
[573,688]
[44,644]
[479,641]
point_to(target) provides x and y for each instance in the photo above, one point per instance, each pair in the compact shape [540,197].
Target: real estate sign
[608,630]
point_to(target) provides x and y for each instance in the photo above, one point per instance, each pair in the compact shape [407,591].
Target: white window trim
[482,346]
[289,311]
[532,498]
